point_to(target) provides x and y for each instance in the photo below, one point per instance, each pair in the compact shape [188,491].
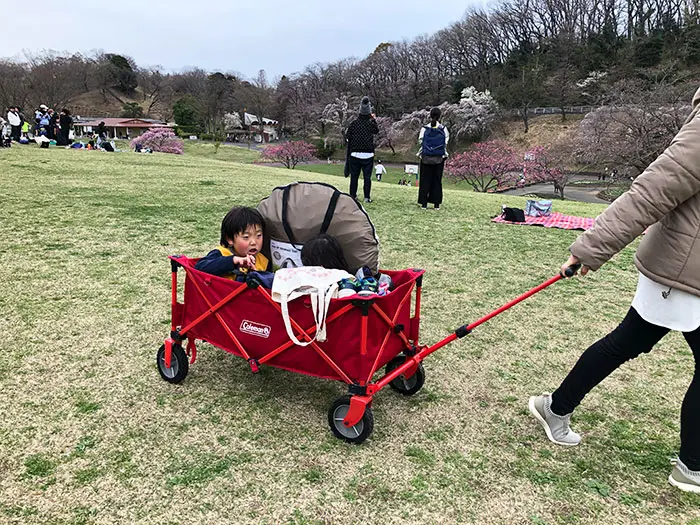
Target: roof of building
[252,119]
[124,123]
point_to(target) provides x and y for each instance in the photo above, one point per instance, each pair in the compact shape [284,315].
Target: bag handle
[285,222]
[330,211]
[288,324]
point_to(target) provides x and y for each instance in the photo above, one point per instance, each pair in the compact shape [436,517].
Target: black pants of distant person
[430,184]
[627,341]
[15,132]
[365,166]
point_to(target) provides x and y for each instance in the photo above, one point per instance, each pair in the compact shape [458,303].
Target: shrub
[160,139]
[132,110]
[290,153]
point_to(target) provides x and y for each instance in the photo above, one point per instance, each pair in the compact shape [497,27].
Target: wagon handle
[467,329]
[571,270]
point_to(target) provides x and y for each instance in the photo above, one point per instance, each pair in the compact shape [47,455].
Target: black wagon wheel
[355,434]
[179,364]
[406,385]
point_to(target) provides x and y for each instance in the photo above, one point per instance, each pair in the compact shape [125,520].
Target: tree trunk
[524,116]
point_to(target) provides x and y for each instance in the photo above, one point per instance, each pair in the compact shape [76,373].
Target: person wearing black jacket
[65,121]
[360,149]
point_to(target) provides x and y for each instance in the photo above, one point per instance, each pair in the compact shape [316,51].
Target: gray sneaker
[683,478]
[557,427]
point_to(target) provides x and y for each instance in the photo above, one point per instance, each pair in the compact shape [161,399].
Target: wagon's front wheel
[179,364]
[406,385]
[355,434]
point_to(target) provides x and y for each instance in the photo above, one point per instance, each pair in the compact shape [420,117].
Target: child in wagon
[242,234]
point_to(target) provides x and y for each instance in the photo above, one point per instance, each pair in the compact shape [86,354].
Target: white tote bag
[320,284]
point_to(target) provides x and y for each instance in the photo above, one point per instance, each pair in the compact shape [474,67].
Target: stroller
[372,340]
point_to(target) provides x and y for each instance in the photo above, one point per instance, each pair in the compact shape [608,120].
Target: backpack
[433,141]
[513,214]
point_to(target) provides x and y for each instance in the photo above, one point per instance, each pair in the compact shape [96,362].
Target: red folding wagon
[365,335]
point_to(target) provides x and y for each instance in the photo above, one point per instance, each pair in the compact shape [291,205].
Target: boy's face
[248,242]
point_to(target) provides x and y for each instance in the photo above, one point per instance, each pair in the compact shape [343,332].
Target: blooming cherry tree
[290,153]
[539,166]
[162,139]
[488,166]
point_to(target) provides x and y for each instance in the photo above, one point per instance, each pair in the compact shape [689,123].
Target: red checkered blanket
[555,220]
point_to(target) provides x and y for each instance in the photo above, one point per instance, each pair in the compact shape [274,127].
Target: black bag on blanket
[513,214]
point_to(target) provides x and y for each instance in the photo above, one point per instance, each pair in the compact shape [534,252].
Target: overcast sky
[280,36]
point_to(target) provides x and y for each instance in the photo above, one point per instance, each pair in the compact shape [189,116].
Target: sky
[280,36]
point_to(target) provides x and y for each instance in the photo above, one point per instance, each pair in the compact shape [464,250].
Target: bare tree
[635,128]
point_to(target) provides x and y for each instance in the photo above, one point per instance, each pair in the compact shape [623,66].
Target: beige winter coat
[667,196]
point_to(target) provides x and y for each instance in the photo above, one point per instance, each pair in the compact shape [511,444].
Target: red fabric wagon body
[363,333]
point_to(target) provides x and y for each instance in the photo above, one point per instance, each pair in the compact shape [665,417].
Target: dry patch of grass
[543,129]
[91,434]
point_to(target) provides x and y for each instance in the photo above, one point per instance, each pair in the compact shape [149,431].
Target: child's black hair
[237,221]
[324,250]
[435,113]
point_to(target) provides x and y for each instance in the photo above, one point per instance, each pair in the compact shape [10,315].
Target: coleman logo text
[261,330]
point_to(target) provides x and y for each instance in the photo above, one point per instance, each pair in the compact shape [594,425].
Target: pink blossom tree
[540,166]
[162,139]
[488,166]
[290,153]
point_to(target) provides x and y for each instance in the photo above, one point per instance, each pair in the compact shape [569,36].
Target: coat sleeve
[670,180]
[374,127]
[216,264]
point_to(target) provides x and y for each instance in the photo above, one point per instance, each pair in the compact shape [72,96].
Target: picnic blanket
[555,220]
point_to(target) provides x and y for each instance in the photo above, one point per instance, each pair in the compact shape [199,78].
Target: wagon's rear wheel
[406,385]
[355,434]
[179,364]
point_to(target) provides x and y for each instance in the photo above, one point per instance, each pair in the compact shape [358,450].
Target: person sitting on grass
[242,234]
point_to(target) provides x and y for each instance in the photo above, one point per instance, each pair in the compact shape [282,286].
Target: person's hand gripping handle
[572,266]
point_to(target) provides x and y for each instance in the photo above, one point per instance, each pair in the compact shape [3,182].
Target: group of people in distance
[432,138]
[47,126]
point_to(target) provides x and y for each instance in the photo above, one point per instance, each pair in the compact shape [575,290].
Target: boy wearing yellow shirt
[242,233]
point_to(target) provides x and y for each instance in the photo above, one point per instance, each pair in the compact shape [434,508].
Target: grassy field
[392,176]
[91,434]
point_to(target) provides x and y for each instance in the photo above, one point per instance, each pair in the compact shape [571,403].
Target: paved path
[574,193]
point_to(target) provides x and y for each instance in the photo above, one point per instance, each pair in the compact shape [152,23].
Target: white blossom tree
[232,121]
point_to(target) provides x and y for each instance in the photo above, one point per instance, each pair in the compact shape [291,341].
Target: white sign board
[411,168]
[193,137]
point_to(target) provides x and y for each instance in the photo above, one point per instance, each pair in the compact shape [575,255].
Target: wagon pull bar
[467,329]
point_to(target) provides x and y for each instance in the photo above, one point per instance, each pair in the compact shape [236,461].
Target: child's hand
[248,261]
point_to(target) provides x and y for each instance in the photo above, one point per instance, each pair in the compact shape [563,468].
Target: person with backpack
[360,152]
[433,139]
[666,200]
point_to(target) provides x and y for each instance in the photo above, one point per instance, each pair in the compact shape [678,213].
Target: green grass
[392,176]
[90,433]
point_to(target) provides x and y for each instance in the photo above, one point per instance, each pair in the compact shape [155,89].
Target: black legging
[632,337]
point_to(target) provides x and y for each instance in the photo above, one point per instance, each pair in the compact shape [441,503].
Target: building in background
[118,128]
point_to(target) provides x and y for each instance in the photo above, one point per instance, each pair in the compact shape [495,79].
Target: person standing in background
[379,170]
[360,152]
[15,123]
[433,139]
